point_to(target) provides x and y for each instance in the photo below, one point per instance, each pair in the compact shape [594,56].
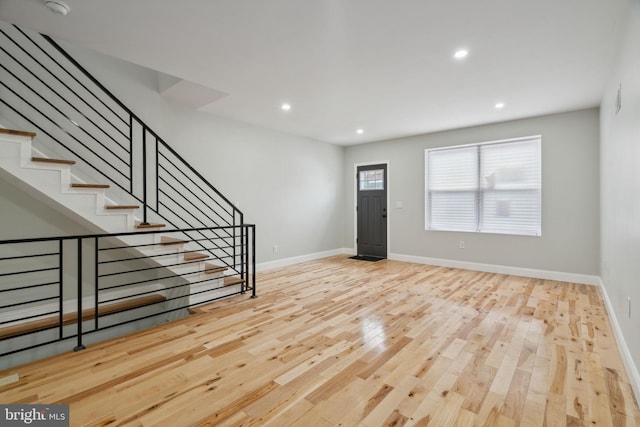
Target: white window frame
[480,191]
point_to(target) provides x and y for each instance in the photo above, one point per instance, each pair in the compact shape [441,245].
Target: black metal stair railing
[46,91]
[104,274]
[52,94]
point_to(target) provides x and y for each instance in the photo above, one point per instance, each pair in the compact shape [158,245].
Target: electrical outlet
[275,249]
[461,244]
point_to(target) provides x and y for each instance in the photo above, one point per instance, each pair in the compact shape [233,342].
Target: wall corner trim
[627,359]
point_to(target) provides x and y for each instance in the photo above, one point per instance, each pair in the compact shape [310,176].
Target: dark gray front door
[372,210]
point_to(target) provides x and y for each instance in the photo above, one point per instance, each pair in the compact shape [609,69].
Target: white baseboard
[627,359]
[269,265]
[560,276]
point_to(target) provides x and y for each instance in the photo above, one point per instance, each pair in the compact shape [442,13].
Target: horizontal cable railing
[91,283]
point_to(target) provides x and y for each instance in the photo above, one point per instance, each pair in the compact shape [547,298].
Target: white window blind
[492,187]
[453,183]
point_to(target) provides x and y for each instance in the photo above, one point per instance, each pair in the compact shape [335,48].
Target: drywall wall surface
[620,187]
[570,196]
[290,187]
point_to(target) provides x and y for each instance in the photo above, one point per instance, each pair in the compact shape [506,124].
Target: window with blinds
[493,187]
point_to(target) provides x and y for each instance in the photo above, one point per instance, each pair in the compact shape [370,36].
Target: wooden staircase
[101,165]
[209,274]
[166,241]
[47,160]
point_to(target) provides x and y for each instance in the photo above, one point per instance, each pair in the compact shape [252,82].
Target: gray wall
[291,187]
[620,188]
[570,196]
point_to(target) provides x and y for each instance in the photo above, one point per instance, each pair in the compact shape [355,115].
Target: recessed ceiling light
[461,53]
[57,6]
[360,131]
[285,107]
[499,105]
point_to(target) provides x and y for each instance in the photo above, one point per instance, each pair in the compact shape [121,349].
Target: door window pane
[371,180]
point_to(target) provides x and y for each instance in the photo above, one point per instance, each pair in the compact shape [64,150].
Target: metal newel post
[79,296]
[253,260]
[144,176]
[95,281]
[244,258]
[60,289]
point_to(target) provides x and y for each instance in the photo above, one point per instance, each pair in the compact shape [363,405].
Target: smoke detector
[57,6]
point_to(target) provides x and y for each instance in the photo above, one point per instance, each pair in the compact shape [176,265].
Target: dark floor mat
[366,258]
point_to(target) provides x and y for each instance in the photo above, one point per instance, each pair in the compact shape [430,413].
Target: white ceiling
[385,66]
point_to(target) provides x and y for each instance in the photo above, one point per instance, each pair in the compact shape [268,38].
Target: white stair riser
[214,293]
[209,284]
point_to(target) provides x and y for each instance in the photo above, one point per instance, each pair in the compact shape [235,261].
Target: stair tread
[232,280]
[142,226]
[71,318]
[83,185]
[119,306]
[122,207]
[17,132]
[193,256]
[168,241]
[49,160]
[212,268]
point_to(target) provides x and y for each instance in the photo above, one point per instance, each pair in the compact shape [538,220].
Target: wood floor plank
[340,342]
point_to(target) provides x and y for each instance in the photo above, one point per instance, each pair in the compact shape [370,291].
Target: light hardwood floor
[338,342]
